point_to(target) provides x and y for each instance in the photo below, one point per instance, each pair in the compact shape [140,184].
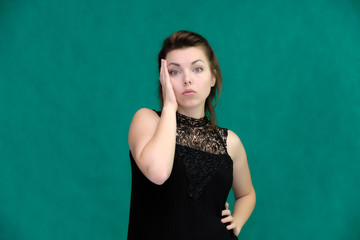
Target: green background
[73,73]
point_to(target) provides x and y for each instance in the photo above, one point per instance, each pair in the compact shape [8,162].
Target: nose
[187,78]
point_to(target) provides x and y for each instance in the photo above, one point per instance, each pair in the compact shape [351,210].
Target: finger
[227,219]
[226,205]
[165,66]
[230,226]
[166,71]
[161,70]
[165,78]
[162,74]
[225,212]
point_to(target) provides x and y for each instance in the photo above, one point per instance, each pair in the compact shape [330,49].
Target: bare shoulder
[142,127]
[235,147]
[145,114]
[142,118]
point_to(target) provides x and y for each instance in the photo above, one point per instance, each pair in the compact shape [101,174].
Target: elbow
[254,196]
[249,197]
[159,180]
[155,171]
[158,176]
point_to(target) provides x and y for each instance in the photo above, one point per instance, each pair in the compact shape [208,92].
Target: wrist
[238,222]
[169,108]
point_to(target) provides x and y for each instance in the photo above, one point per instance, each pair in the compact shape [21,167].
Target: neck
[192,112]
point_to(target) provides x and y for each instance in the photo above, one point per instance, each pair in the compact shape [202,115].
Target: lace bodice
[198,134]
[203,151]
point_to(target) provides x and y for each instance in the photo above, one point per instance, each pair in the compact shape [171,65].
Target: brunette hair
[184,39]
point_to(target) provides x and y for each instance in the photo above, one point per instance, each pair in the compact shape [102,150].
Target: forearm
[160,150]
[243,208]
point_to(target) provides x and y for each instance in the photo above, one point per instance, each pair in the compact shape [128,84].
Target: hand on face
[169,98]
[229,219]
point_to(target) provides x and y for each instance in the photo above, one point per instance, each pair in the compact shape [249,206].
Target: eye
[198,69]
[174,72]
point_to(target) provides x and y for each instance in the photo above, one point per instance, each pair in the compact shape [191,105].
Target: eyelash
[200,68]
[197,70]
[172,72]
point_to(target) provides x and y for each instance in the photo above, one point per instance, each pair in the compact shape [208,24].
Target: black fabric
[188,205]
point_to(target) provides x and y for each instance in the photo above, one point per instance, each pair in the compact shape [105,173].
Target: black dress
[188,205]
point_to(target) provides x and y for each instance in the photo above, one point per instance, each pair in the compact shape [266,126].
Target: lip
[188,92]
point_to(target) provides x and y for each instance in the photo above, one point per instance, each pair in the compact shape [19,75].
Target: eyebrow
[178,65]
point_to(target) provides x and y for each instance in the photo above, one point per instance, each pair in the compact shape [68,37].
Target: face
[191,76]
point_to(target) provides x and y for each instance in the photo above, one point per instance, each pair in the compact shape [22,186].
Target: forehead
[186,55]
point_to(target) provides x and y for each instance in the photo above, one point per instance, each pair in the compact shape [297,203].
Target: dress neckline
[190,121]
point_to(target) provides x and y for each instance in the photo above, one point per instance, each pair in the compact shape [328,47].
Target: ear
[213,78]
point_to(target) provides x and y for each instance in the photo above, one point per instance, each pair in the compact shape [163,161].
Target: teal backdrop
[74,72]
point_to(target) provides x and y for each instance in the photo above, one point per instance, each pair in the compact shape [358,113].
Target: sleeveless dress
[188,205]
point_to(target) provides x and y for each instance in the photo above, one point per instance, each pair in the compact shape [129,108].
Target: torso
[189,204]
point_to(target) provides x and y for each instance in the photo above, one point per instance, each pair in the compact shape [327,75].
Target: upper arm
[242,184]
[142,129]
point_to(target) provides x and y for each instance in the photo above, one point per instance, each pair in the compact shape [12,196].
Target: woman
[183,165]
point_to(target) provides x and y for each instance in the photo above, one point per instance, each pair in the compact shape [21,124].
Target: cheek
[207,87]
[207,83]
[175,85]
[208,91]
